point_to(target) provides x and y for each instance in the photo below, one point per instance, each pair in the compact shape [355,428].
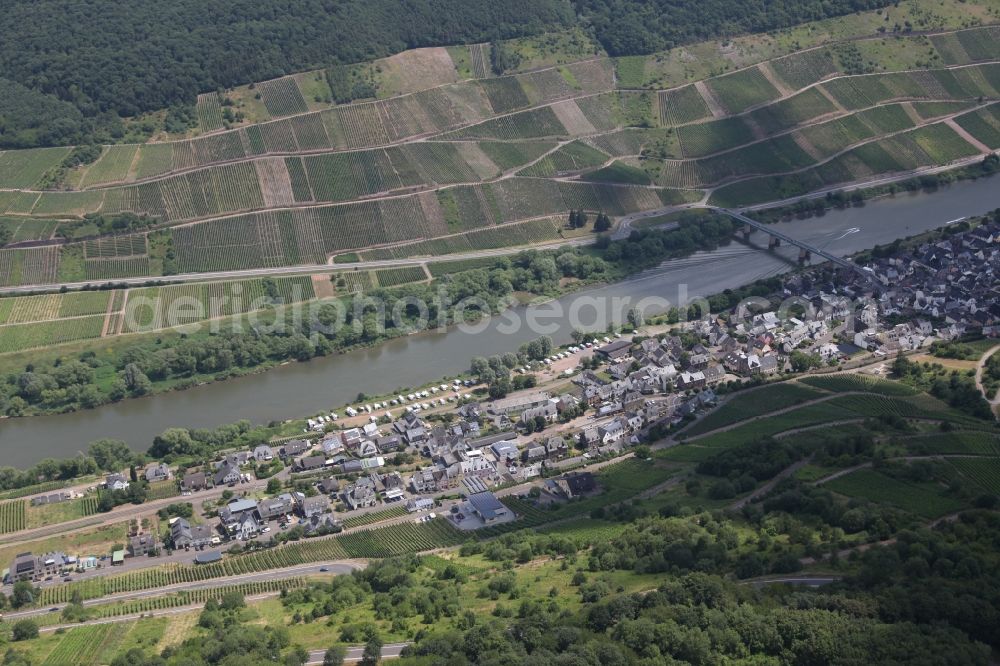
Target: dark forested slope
[125,57]
[633,27]
[131,55]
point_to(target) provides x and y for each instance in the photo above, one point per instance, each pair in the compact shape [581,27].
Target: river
[300,389]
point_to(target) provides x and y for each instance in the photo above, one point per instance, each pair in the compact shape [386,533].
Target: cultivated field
[303,178]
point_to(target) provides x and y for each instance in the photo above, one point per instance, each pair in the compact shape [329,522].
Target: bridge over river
[806,250]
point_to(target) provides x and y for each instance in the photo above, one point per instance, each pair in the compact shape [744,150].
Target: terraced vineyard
[922,499]
[440,167]
[12,516]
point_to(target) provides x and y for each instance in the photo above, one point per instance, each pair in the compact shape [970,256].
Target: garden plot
[575,156]
[12,516]
[18,202]
[23,168]
[476,160]
[507,235]
[505,94]
[106,247]
[462,103]
[941,143]
[28,309]
[479,56]
[981,43]
[24,229]
[523,198]
[221,147]
[417,69]
[112,167]
[590,76]
[572,118]
[393,277]
[209,112]
[68,203]
[38,265]
[768,157]
[805,68]
[979,81]
[621,143]
[83,303]
[602,111]
[985,473]
[274,181]
[346,176]
[931,110]
[787,113]
[468,207]
[154,159]
[845,91]
[277,137]
[924,499]
[439,163]
[281,97]
[886,119]
[836,135]
[512,155]
[741,90]
[184,156]
[362,125]
[983,124]
[298,179]
[440,109]
[768,188]
[711,137]
[310,132]
[948,46]
[754,402]
[31,336]
[682,105]
[536,123]
[139,199]
[549,85]
[114,269]
[403,117]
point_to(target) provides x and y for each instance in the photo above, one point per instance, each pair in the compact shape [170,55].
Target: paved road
[624,227]
[311,269]
[980,368]
[809,581]
[390,651]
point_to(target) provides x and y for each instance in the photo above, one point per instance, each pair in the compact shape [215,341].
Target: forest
[636,27]
[134,56]
[72,69]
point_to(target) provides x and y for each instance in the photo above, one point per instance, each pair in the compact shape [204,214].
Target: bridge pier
[746,233]
[773,243]
[804,255]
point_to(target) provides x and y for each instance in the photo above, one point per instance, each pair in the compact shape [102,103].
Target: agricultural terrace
[29,322]
[465,152]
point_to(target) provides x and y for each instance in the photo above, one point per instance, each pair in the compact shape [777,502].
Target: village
[449,450]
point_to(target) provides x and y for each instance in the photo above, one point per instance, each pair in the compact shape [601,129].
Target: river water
[300,389]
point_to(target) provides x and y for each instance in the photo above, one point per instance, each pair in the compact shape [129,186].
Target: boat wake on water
[852,230]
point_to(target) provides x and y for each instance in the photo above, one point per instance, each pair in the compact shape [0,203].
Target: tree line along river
[300,389]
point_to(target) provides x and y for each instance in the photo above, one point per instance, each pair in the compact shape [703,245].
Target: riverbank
[297,389]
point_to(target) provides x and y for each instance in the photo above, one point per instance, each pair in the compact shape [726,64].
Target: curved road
[980,368]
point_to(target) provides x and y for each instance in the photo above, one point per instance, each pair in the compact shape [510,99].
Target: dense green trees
[133,56]
[629,27]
